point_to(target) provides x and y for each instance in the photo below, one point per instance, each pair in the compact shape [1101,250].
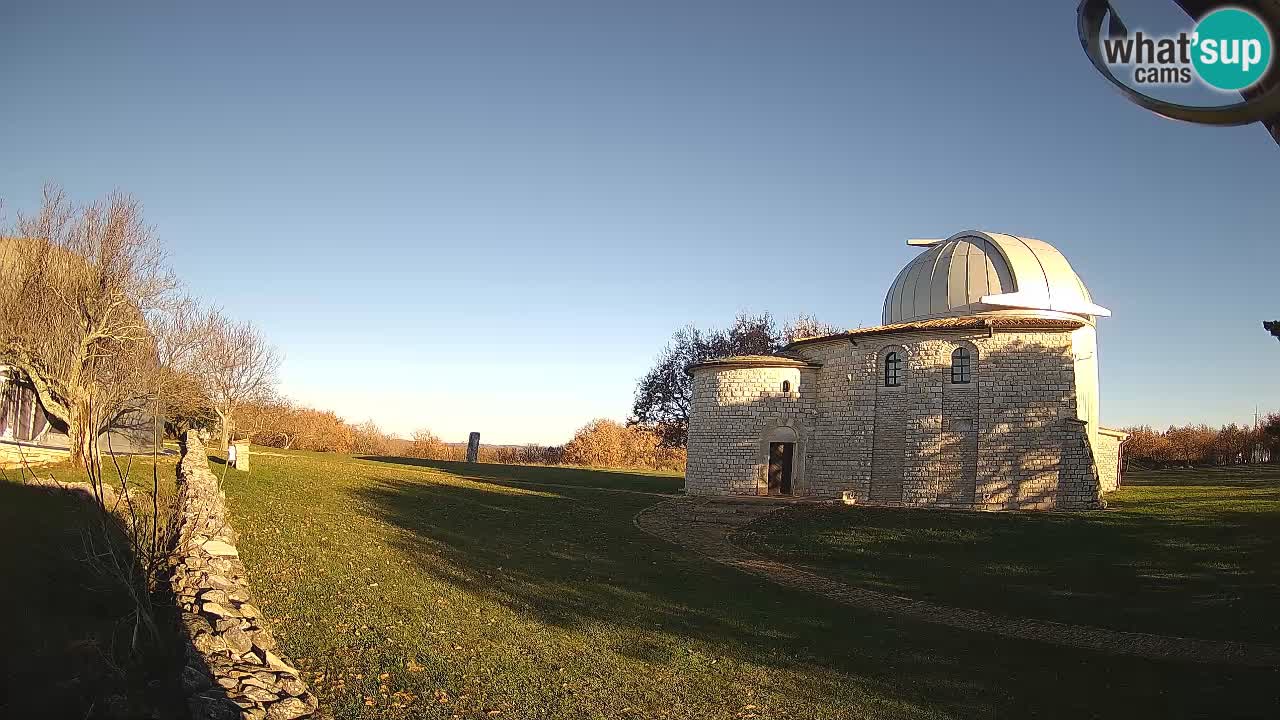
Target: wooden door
[780,460]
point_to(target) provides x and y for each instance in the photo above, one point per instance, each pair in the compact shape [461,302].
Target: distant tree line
[427,445]
[599,443]
[1187,445]
[279,423]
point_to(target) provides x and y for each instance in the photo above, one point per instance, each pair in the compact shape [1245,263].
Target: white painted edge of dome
[1038,298]
[1033,301]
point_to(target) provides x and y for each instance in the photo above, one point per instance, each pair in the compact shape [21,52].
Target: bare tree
[277,422]
[807,326]
[78,287]
[269,421]
[427,445]
[369,439]
[182,335]
[1270,435]
[664,395]
[1232,444]
[237,366]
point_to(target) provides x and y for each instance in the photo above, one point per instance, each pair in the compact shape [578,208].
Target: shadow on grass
[1238,476]
[605,479]
[1195,555]
[68,626]
[571,557]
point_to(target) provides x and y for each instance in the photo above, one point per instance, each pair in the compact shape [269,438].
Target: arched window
[786,386]
[892,370]
[961,366]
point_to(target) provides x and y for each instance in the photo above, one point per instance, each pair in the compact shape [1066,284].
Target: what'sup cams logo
[1229,48]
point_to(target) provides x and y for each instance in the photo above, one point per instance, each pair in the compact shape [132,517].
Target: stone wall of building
[1078,486]
[841,438]
[1008,439]
[1107,454]
[736,410]
[957,472]
[234,670]
[891,425]
[1027,416]
[14,455]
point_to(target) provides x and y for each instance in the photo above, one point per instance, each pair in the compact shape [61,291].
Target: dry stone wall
[235,670]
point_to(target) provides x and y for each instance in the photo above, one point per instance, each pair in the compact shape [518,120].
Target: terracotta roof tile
[964,322]
[755,361]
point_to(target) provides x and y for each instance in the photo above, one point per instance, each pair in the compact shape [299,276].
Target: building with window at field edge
[31,436]
[979,390]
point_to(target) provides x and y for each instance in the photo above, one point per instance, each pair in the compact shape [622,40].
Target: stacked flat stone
[235,670]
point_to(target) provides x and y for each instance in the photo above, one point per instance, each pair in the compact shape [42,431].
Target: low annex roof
[753,361]
[968,322]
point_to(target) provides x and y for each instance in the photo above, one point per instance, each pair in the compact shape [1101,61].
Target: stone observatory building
[979,390]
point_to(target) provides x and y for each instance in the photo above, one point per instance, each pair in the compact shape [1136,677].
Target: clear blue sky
[491,216]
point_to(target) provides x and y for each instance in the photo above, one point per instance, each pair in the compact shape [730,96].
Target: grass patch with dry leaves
[1194,553]
[409,588]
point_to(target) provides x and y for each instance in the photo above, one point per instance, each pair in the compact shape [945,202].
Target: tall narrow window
[22,427]
[961,366]
[6,403]
[892,370]
[786,386]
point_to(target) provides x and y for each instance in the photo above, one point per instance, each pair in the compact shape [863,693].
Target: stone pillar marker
[242,455]
[473,447]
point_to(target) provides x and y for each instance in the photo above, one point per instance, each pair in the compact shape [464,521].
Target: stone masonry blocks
[1008,439]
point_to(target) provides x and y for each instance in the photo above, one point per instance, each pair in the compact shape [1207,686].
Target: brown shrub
[1200,444]
[283,425]
[605,443]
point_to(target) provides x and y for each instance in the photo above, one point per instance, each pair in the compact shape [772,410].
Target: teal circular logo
[1232,49]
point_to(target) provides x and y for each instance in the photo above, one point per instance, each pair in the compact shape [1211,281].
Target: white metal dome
[975,272]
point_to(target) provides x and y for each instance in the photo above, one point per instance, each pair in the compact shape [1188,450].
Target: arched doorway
[781,445]
[781,459]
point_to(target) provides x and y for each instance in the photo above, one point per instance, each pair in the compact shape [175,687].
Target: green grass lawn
[1183,552]
[423,589]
